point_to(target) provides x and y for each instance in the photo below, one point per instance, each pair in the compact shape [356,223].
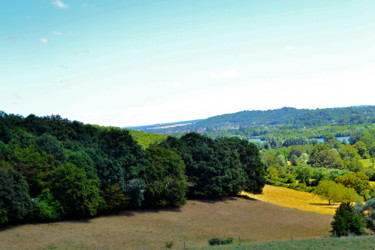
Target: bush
[45,208]
[217,241]
[169,244]
[299,187]
[3,216]
[347,221]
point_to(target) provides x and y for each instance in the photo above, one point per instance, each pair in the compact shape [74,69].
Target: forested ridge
[290,117]
[52,168]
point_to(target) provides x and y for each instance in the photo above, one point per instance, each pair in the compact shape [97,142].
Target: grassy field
[367,163]
[358,242]
[193,223]
[294,199]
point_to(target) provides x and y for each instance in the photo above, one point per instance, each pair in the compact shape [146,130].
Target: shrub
[45,208]
[169,244]
[217,241]
[347,221]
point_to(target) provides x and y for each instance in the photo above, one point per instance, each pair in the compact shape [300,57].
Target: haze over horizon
[134,63]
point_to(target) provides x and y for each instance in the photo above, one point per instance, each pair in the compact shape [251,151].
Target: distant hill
[276,117]
[163,125]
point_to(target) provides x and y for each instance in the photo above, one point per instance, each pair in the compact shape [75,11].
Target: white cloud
[44,40]
[177,84]
[59,4]
[57,33]
[224,74]
[289,47]
[85,5]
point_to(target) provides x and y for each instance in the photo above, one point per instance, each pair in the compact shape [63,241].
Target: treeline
[52,168]
[296,118]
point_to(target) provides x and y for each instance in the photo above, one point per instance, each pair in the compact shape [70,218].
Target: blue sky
[126,63]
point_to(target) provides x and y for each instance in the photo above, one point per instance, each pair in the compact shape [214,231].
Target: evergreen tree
[346,221]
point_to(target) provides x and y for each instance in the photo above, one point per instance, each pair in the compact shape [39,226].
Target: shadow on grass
[246,197]
[326,205]
[130,213]
[223,199]
[50,223]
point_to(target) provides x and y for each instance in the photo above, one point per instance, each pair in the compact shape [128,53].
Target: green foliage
[219,167]
[218,241]
[5,152]
[359,181]
[83,161]
[15,201]
[46,208]
[135,189]
[361,148]
[348,152]
[5,133]
[146,139]
[78,196]
[304,173]
[335,192]
[52,146]
[169,244]
[368,211]
[165,178]
[282,161]
[35,165]
[3,216]
[115,199]
[346,221]
[322,156]
[354,165]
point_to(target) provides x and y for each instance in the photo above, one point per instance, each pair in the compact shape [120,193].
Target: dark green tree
[165,178]
[53,147]
[15,202]
[35,165]
[326,158]
[359,181]
[78,196]
[346,221]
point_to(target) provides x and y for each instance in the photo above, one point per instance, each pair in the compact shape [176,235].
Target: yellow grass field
[294,199]
[195,223]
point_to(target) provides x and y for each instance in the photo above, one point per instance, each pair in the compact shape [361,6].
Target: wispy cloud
[59,4]
[63,66]
[44,40]
[87,5]
[288,47]
[224,74]
[14,39]
[16,96]
[57,33]
[63,81]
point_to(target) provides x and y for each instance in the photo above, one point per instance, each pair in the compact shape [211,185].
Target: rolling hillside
[276,117]
[194,224]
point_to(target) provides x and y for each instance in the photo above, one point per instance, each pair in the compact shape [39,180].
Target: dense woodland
[52,168]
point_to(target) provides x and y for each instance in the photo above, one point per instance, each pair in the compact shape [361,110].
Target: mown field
[294,199]
[194,223]
[358,242]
